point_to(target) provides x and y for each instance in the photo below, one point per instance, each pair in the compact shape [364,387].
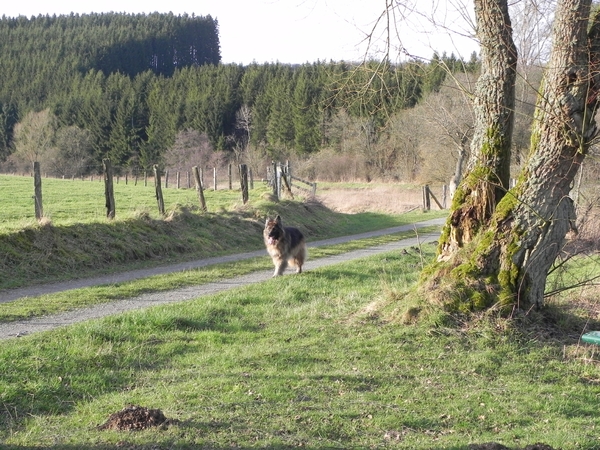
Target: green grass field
[326,359]
[316,361]
[83,201]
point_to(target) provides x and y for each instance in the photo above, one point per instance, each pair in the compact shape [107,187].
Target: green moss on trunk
[484,273]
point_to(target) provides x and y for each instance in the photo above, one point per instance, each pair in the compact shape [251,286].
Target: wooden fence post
[444,196]
[244,182]
[274,177]
[166,178]
[251,178]
[178,179]
[199,189]
[37,188]
[109,193]
[426,199]
[159,195]
[288,172]
[430,194]
[286,183]
[215,178]
[230,177]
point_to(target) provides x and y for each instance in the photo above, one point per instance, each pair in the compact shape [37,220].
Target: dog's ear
[267,221]
[278,219]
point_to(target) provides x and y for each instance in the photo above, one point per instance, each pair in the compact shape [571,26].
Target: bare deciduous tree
[399,148]
[449,114]
[532,28]
[71,153]
[243,123]
[34,135]
[191,148]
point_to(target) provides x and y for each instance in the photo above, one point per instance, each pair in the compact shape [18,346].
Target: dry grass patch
[383,198]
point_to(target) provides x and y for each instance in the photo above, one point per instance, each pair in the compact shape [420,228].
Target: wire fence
[278,176]
[238,178]
[231,178]
[214,178]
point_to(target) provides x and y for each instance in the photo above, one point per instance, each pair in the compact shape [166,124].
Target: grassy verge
[64,249]
[307,361]
[78,298]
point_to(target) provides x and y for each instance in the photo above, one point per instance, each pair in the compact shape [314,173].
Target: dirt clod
[134,418]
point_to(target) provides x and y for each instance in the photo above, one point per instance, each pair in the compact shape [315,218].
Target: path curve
[46,323]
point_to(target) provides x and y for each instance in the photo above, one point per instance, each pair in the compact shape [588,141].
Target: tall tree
[307,115]
[502,255]
[281,132]
[71,154]
[488,171]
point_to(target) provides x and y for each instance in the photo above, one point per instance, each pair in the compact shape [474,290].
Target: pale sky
[293,31]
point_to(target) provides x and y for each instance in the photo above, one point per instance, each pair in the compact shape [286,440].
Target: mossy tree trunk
[488,170]
[508,258]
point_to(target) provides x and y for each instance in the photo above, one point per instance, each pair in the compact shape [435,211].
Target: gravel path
[45,323]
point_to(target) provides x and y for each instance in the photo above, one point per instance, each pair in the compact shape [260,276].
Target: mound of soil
[134,418]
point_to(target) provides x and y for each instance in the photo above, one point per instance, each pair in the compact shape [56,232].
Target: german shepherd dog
[286,245]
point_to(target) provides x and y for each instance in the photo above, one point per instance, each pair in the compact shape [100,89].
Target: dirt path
[45,323]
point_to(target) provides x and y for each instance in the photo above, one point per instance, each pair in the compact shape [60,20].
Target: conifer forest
[134,87]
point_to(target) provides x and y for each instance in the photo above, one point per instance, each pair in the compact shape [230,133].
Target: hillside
[133,87]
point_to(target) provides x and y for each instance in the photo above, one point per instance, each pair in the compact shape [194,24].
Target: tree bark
[541,212]
[506,261]
[488,171]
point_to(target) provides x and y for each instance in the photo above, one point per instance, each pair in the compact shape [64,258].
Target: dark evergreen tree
[280,130]
[307,111]
[435,74]
[8,119]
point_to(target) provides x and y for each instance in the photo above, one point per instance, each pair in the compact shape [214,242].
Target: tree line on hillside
[58,46]
[134,88]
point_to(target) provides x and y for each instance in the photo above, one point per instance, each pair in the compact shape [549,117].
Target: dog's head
[273,230]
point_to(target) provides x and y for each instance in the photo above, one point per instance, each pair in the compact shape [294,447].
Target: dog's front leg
[280,268]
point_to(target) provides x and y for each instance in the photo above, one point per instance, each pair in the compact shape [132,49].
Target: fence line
[223,177]
[245,178]
[183,179]
[313,186]
[279,176]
